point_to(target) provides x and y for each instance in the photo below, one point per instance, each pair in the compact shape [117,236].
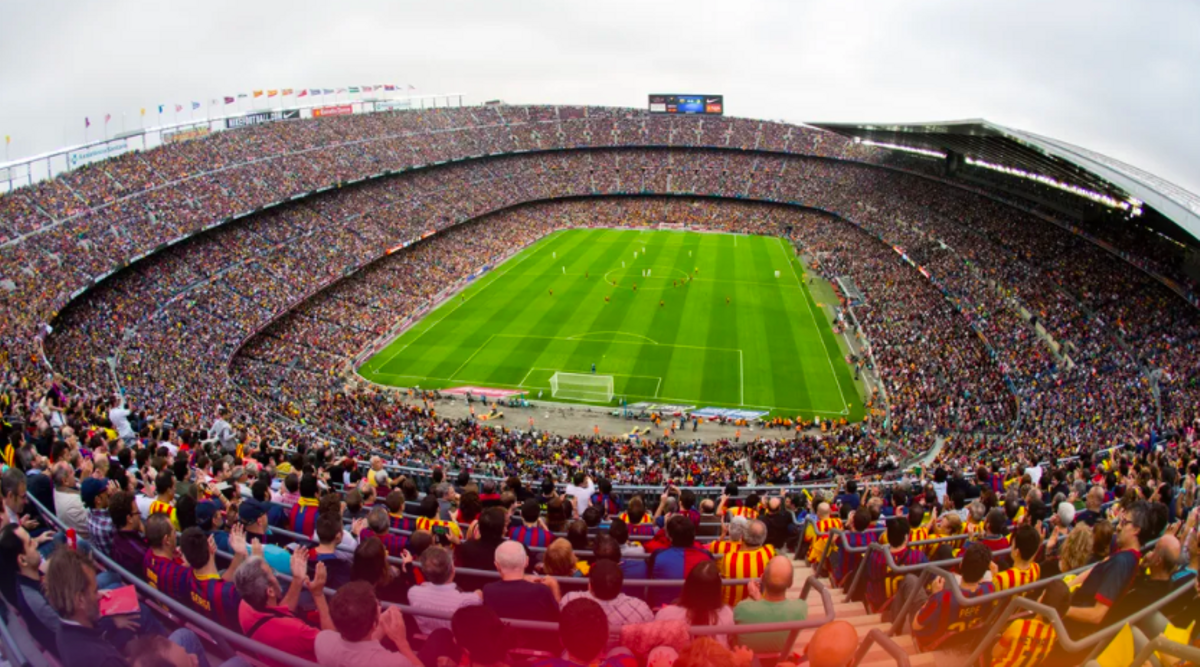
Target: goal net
[582,387]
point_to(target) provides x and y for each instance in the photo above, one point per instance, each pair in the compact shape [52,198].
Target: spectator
[581,490]
[560,560]
[269,616]
[845,564]
[371,565]
[701,602]
[129,547]
[882,583]
[446,532]
[480,553]
[619,530]
[379,526]
[832,645]
[606,548]
[213,593]
[769,604]
[1028,641]
[604,587]
[1026,544]
[731,540]
[224,434]
[778,522]
[253,516]
[164,499]
[164,569]
[521,598]
[581,630]
[1102,587]
[304,514]
[439,592]
[941,616]
[360,627]
[95,495]
[338,563]
[532,532]
[748,562]
[68,505]
[1093,510]
[677,561]
[1153,583]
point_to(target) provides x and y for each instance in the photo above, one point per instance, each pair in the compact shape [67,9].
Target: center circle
[661,277]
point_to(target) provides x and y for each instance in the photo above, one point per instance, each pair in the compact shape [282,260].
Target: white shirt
[440,597]
[582,495]
[120,421]
[333,651]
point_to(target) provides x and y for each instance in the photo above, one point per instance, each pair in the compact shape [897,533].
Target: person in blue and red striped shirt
[304,512]
[608,503]
[395,511]
[942,616]
[212,593]
[846,564]
[532,532]
[677,561]
[164,570]
[378,525]
[882,583]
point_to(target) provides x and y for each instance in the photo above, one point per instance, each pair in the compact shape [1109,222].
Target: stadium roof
[978,139]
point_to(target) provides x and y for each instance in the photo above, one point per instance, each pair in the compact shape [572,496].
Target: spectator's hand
[112,487]
[994,568]
[300,563]
[126,622]
[316,585]
[392,622]
[28,524]
[256,549]
[753,591]
[237,540]
[356,528]
[742,656]
[405,559]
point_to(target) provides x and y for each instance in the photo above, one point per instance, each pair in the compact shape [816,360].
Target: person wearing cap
[253,516]
[211,519]
[95,494]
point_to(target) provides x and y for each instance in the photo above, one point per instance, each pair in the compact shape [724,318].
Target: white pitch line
[495,275]
[741,378]
[477,351]
[792,263]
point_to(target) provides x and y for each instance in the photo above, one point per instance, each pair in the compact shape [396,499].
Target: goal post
[582,387]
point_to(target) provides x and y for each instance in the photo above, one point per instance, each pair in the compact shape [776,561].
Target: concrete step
[882,659]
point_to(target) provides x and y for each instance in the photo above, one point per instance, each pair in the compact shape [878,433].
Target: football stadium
[321,376]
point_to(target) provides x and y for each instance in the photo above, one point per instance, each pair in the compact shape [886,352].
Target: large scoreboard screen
[711,105]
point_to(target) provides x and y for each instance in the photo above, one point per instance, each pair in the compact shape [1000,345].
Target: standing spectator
[778,522]
[118,416]
[604,587]
[268,616]
[584,640]
[749,562]
[849,497]
[609,504]
[360,626]
[95,496]
[701,602]
[581,490]
[224,434]
[770,605]
[68,505]
[439,592]
[675,562]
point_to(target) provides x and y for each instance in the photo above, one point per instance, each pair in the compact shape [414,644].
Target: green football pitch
[710,324]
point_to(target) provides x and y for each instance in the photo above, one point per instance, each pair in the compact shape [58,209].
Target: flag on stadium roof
[160,108]
[229,100]
[303,92]
[87,122]
[107,117]
[287,91]
[258,93]
[340,90]
[241,95]
[367,89]
[272,93]
[195,105]
[354,89]
[327,91]
[387,86]
[178,108]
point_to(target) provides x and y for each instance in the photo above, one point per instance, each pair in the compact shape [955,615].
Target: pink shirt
[283,631]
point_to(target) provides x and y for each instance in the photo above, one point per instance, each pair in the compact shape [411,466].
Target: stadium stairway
[856,614]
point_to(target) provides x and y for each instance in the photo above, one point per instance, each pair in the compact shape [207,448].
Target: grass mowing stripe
[788,342]
[722,330]
[663,321]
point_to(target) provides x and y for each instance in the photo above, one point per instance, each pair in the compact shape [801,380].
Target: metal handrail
[222,635]
[13,652]
[1095,641]
[889,645]
[1162,645]
[891,562]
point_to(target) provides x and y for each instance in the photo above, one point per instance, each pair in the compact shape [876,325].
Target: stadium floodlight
[582,387]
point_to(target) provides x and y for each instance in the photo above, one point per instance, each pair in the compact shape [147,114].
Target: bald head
[756,534]
[823,511]
[511,559]
[778,577]
[1167,554]
[832,645]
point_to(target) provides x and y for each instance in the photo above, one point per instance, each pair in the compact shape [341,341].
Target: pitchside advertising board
[96,153]
[337,110]
[262,117]
[704,105]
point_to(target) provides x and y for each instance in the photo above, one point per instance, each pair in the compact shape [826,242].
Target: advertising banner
[185,134]
[661,408]
[339,110]
[262,117]
[96,153]
[392,105]
[727,413]
[484,392]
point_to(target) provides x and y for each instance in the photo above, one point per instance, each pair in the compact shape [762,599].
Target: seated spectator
[995,536]
[439,592]
[379,525]
[1154,582]
[164,569]
[532,532]
[303,518]
[1102,587]
[129,547]
[253,516]
[479,552]
[1094,507]
[606,548]
[677,561]
[941,615]
[338,563]
[619,531]
[516,597]
[360,627]
[213,593]
[581,630]
[826,522]
[95,495]
[446,532]
[832,645]
[733,532]
[1026,544]
[604,587]
[770,605]
[846,564]
[68,505]
[371,565]
[560,561]
[269,616]
[477,638]
[1027,641]
[701,602]
[395,511]
[606,500]
[749,562]
[881,582]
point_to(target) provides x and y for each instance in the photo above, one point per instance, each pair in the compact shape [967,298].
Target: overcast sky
[1119,77]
